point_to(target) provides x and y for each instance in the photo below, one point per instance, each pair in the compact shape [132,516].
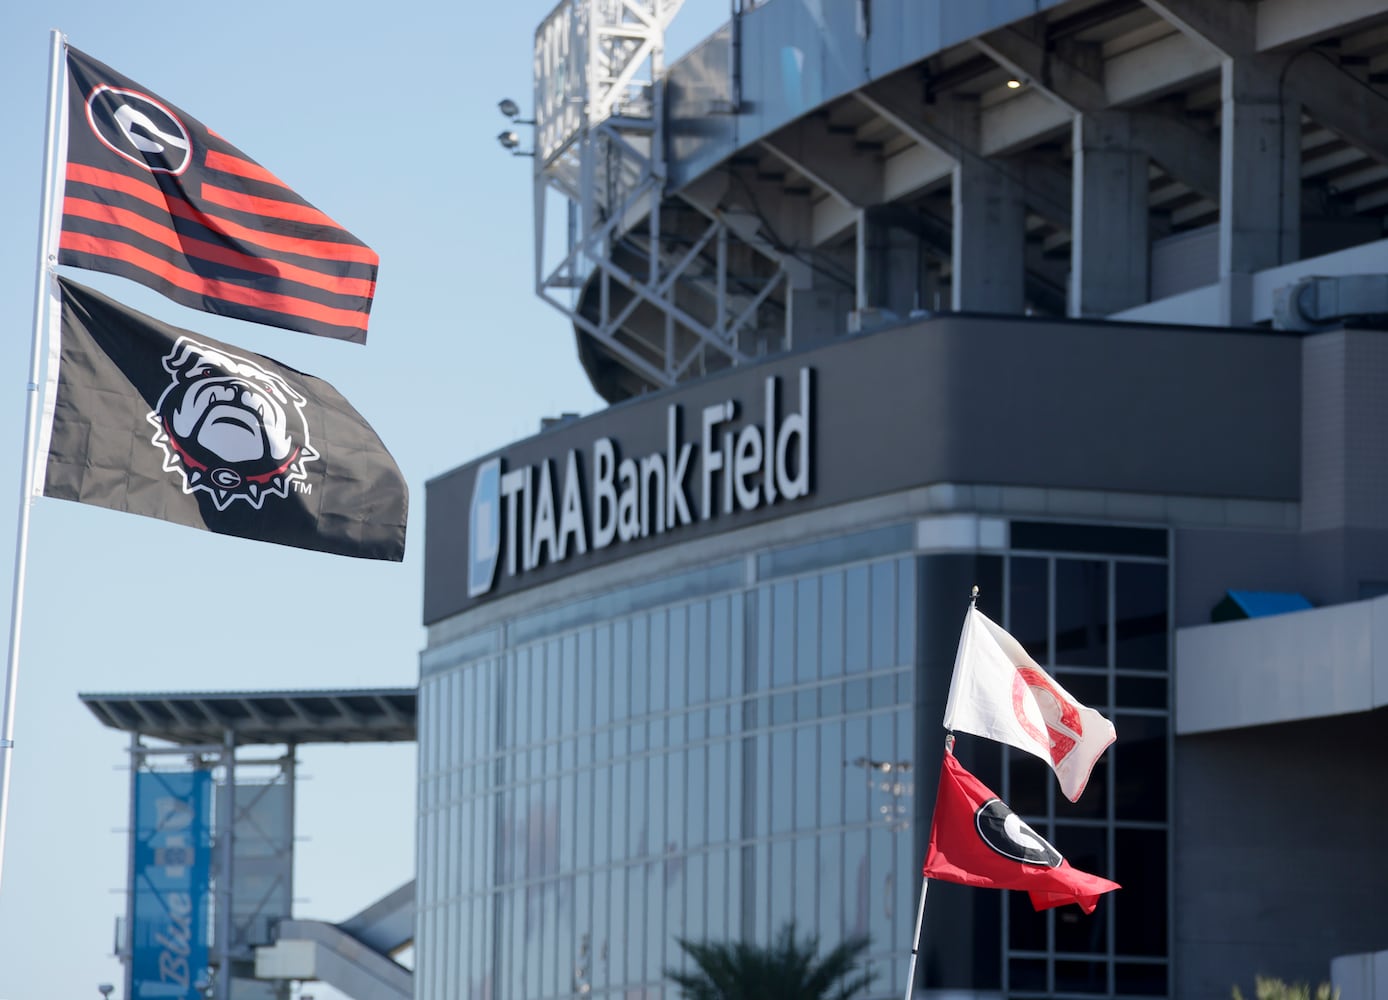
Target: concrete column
[1109,239]
[989,238]
[1259,177]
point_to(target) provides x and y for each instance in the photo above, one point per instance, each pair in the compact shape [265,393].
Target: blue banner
[172,865]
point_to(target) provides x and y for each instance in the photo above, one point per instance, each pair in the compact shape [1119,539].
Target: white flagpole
[915,941]
[46,263]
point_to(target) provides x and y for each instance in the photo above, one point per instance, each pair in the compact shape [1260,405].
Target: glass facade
[721,751]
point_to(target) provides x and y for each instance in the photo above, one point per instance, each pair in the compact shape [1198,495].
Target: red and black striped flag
[152,195]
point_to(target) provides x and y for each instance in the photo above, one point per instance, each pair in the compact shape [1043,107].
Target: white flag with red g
[1000,693]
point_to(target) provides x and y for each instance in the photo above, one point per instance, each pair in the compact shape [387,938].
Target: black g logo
[140,129]
[1004,831]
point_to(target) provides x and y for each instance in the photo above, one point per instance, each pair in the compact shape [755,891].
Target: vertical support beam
[1259,178]
[989,240]
[137,761]
[1109,238]
[860,260]
[226,822]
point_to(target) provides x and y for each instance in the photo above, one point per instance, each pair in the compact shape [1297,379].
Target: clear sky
[384,116]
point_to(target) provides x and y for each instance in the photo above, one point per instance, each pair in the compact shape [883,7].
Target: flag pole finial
[973,597]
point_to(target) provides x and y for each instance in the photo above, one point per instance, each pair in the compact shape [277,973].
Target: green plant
[785,970]
[1267,988]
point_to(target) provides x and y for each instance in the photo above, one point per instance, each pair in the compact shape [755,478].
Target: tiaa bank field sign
[718,461]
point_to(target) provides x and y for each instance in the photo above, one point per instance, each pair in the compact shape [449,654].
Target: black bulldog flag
[155,420]
[153,195]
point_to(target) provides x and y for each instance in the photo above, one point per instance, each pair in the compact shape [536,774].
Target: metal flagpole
[46,262]
[915,941]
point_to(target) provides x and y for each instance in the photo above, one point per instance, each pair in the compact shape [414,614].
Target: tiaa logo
[484,528]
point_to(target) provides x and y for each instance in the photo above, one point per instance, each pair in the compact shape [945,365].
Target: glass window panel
[535,695]
[1026,929]
[806,887]
[719,683]
[622,819]
[782,709]
[831,700]
[807,630]
[856,879]
[602,816]
[883,691]
[659,940]
[1081,977]
[618,930]
[1027,974]
[568,685]
[698,726]
[640,803]
[698,653]
[783,634]
[636,926]
[1028,610]
[855,696]
[1139,758]
[782,877]
[881,899]
[737,647]
[855,753]
[602,671]
[676,876]
[1081,612]
[1089,687]
[620,658]
[1086,848]
[696,893]
[1028,779]
[760,797]
[697,793]
[906,611]
[782,781]
[806,705]
[675,683]
[761,895]
[1140,979]
[761,609]
[553,689]
[1140,633]
[830,879]
[675,828]
[856,620]
[882,601]
[831,774]
[586,681]
[831,603]
[806,778]
[719,789]
[1142,692]
[640,668]
[657,667]
[718,721]
[1140,908]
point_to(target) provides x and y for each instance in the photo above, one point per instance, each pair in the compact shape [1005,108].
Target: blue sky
[384,116]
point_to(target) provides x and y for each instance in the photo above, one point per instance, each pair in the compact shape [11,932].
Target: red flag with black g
[152,195]
[975,839]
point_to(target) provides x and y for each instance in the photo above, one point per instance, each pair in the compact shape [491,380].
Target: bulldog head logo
[229,427]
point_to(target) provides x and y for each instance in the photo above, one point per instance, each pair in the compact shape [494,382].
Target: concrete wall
[1279,863]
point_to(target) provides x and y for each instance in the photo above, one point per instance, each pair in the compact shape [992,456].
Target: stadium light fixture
[1013,83]
[511,110]
[511,141]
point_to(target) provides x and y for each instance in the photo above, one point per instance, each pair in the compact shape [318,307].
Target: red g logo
[1059,714]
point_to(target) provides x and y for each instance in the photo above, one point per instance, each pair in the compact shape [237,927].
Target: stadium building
[1075,302]
[1078,302]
